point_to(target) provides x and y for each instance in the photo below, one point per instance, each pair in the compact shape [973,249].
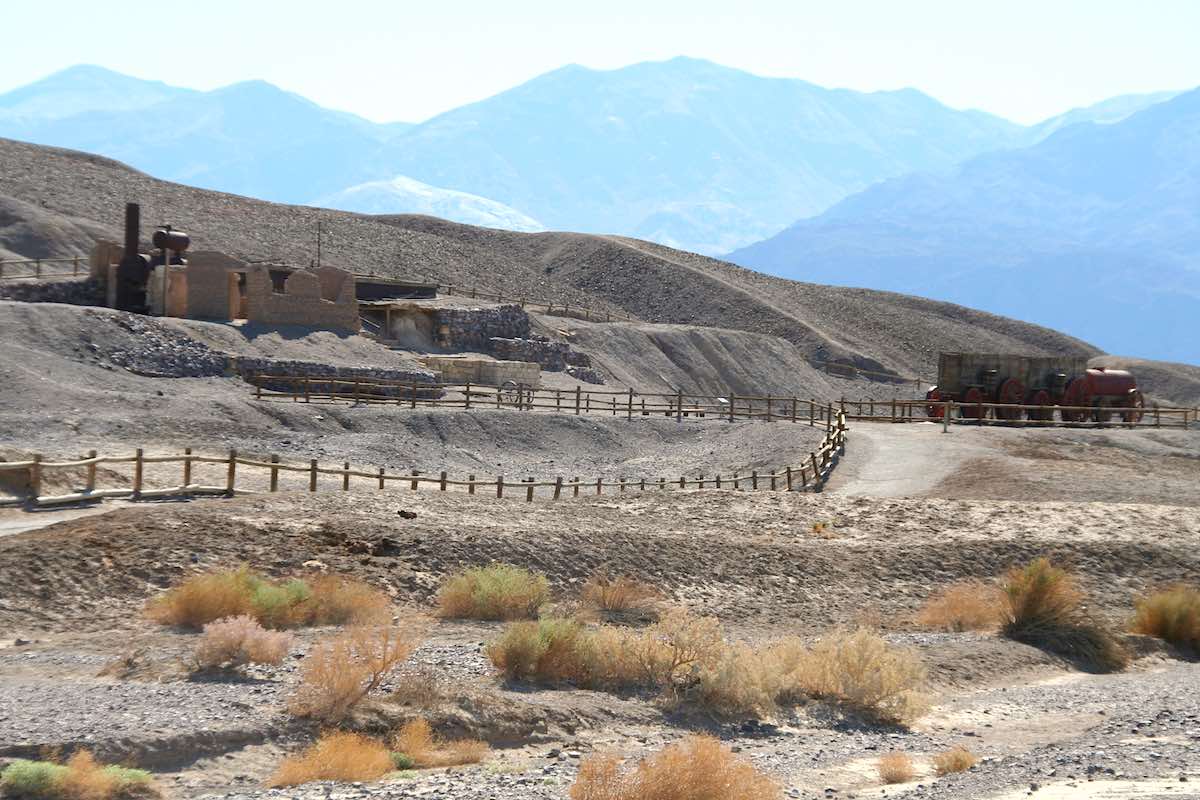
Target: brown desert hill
[654,283]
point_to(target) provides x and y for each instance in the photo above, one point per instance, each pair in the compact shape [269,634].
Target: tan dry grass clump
[1172,615]
[322,600]
[341,671]
[698,767]
[956,759]
[863,672]
[494,592]
[417,741]
[620,598]
[1045,609]
[336,756]
[896,768]
[964,606]
[235,641]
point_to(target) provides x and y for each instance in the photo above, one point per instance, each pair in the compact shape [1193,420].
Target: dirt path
[885,460]
[14,520]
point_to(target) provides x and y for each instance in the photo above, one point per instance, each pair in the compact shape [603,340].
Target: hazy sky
[1022,59]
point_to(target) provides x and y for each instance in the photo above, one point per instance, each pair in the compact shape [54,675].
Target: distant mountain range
[686,152]
[1095,230]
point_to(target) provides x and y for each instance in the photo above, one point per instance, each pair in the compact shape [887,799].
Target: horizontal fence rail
[808,474]
[628,403]
[949,412]
[41,268]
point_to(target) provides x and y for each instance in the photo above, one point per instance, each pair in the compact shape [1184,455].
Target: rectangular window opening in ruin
[279,280]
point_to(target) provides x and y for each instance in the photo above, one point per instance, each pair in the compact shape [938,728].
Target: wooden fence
[950,412]
[627,403]
[810,473]
[562,309]
[40,268]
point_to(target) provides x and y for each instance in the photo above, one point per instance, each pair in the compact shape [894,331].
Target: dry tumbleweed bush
[620,598]
[336,756]
[896,768]
[964,606]
[697,767]
[341,671]
[1172,615]
[235,641]
[956,759]
[417,741]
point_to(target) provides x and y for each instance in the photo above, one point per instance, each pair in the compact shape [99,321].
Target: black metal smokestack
[134,269]
[133,228]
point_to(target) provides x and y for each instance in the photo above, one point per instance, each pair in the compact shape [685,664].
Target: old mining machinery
[1051,383]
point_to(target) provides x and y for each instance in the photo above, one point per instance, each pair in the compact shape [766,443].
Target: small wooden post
[75,265]
[600,485]
[682,482]
[946,410]
[356,388]
[736,481]
[345,476]
[37,268]
[91,473]
[499,486]
[679,406]
[732,405]
[442,481]
[893,409]
[577,391]
[803,477]
[816,468]
[812,412]
[662,484]
[1157,418]
[621,484]
[257,388]
[754,479]
[230,476]
[629,415]
[558,487]
[557,400]
[467,396]
[769,419]
[794,403]
[415,482]
[642,484]
[312,475]
[772,480]
[470,484]
[307,390]
[35,477]
[529,491]
[381,477]
[274,472]
[718,479]
[788,475]
[187,468]
[575,486]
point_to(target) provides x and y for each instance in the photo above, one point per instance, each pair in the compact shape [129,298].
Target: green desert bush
[1045,608]
[323,600]
[494,592]
[81,778]
[1172,615]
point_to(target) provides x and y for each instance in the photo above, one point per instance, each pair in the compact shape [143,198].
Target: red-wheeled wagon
[976,381]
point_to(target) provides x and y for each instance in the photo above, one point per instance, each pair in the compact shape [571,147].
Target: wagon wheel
[1011,392]
[1136,405]
[1040,398]
[1077,394]
[970,404]
[512,393]
[935,409]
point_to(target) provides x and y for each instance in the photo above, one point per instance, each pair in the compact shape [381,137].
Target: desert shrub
[326,600]
[1172,615]
[234,641]
[81,778]
[678,645]
[342,670]
[863,672]
[743,682]
[336,600]
[963,606]
[696,767]
[202,599]
[497,591]
[402,762]
[896,768]
[956,759]
[548,651]
[620,598]
[419,688]
[417,741]
[336,756]
[1044,608]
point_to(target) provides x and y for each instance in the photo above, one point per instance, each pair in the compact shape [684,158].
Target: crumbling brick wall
[211,291]
[302,301]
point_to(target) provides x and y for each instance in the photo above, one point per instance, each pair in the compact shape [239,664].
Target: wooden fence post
[600,485]
[577,391]
[345,476]
[470,484]
[769,419]
[381,477]
[736,481]
[754,479]
[415,482]
[732,405]
[442,482]
[788,475]
[718,480]
[312,475]
[794,403]
[1157,419]
[812,412]
[575,486]
[35,477]
[621,484]
[558,487]
[682,482]
[772,480]
[529,491]
[307,391]
[91,472]
[274,473]
[816,468]
[467,396]
[187,468]
[629,415]
[231,474]
[500,486]
[679,406]
[662,484]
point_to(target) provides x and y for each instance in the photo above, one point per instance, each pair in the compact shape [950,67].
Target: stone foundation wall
[472,328]
[552,356]
[483,371]
[251,368]
[89,292]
